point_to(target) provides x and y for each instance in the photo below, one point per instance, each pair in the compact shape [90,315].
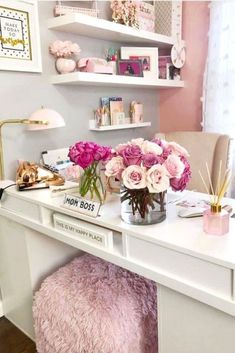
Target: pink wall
[180,109]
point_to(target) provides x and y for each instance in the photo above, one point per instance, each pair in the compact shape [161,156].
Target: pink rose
[151,147]
[177,149]
[134,177]
[157,179]
[85,153]
[114,167]
[174,166]
[179,184]
[102,153]
[150,159]
[132,155]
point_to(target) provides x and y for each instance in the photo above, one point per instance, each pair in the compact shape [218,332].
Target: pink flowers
[64,49]
[154,165]
[85,153]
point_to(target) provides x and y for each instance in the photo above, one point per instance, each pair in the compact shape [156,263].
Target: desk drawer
[21,207]
[187,268]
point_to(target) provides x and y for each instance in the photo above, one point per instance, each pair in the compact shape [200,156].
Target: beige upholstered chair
[203,147]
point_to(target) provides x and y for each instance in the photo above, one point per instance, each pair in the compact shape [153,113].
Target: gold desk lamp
[40,120]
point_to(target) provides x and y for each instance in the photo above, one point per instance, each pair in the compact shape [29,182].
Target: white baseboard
[1,309]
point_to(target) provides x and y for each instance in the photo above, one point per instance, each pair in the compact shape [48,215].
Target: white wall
[23,93]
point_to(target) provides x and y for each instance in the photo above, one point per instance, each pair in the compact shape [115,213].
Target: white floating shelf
[119,127]
[102,29]
[85,78]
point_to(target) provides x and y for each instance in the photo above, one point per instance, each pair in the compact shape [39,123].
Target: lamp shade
[53,118]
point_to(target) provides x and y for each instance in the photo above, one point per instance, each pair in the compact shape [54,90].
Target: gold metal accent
[14,121]
[215,208]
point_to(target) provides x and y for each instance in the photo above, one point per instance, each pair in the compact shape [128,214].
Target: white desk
[194,271]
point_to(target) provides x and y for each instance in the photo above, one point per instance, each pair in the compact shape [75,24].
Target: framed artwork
[130,68]
[148,57]
[19,36]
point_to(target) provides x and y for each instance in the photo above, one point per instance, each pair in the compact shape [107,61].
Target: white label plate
[87,232]
[78,204]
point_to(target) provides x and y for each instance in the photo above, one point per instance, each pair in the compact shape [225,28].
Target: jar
[140,213]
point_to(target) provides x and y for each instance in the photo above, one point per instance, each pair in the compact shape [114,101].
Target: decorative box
[146,17]
[95,65]
[60,10]
[168,18]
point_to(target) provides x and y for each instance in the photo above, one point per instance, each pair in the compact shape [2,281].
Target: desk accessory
[216,218]
[40,120]
[32,176]
[89,155]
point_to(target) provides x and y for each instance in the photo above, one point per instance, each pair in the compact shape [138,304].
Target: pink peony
[85,153]
[134,177]
[102,153]
[157,179]
[132,155]
[174,166]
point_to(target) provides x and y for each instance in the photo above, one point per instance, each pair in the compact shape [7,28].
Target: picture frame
[148,56]
[130,68]
[19,36]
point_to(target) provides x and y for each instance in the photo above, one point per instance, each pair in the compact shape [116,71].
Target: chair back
[203,147]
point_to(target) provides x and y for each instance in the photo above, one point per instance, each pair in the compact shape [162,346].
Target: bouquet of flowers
[64,49]
[88,155]
[147,169]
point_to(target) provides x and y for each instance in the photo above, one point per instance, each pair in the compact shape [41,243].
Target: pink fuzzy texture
[92,306]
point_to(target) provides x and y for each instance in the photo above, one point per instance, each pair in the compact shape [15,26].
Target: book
[116,110]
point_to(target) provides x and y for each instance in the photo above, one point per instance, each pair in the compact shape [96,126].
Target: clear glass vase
[147,208]
[90,184]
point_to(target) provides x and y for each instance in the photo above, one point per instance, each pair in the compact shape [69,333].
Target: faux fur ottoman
[92,306]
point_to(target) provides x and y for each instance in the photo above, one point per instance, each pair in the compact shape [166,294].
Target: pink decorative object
[146,16]
[60,10]
[93,306]
[64,65]
[136,112]
[216,223]
[95,65]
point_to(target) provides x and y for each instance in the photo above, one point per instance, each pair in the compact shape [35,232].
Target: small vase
[155,211]
[90,185]
[64,66]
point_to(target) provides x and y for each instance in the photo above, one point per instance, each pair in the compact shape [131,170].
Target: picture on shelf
[130,68]
[147,56]
[146,63]
[163,66]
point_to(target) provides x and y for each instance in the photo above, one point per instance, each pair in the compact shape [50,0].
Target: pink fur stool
[92,306]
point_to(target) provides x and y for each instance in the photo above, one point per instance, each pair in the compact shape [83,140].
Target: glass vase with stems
[89,156]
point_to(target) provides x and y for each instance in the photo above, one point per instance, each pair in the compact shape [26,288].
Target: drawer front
[194,271]
[21,207]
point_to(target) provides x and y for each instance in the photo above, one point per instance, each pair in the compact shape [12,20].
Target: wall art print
[19,36]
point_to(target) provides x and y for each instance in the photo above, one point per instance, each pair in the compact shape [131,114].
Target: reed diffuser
[216,219]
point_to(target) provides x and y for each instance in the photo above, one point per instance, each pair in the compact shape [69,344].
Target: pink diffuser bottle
[216,220]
